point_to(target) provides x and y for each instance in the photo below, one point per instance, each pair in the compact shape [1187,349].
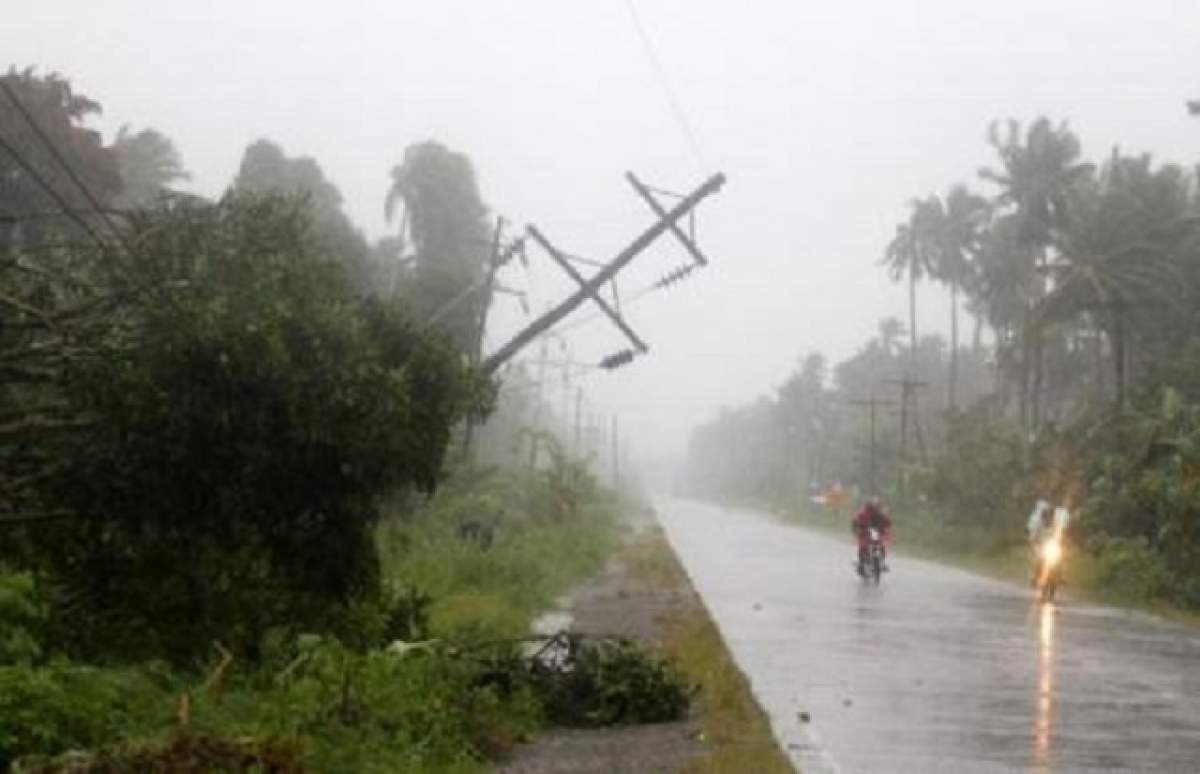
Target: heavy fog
[827,117]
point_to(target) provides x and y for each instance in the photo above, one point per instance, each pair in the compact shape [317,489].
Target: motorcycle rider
[871,515]
[1044,522]
[1038,526]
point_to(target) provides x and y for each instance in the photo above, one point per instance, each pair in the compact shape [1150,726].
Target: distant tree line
[1080,380]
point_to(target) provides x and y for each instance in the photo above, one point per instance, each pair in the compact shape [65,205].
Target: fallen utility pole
[590,289]
[687,240]
[566,266]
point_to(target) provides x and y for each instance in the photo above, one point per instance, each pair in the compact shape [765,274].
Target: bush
[978,480]
[22,620]
[65,706]
[617,682]
[245,414]
[1128,570]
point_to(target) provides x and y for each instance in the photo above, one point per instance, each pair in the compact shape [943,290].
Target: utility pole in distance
[615,440]
[537,406]
[578,439]
[908,386]
[872,405]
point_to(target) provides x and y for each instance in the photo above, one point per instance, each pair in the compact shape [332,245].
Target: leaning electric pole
[589,288]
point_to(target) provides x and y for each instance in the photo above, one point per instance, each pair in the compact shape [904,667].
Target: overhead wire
[594,316]
[54,151]
[37,177]
[665,82]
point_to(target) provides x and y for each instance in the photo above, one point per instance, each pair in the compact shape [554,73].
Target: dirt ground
[622,603]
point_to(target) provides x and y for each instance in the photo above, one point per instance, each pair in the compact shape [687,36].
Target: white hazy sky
[827,118]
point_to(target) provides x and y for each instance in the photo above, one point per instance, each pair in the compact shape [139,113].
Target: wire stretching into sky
[62,162]
[665,82]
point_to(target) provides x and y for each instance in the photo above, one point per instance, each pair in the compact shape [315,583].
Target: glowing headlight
[1051,551]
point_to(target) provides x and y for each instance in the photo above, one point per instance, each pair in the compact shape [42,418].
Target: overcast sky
[827,118]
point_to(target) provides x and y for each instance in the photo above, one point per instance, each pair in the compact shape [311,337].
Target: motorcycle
[871,567]
[1049,570]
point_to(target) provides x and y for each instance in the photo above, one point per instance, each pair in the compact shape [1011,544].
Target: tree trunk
[953,386]
[1119,353]
[1039,352]
[912,319]
[912,365]
[1023,387]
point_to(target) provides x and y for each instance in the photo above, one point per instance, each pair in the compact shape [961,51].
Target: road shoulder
[644,594]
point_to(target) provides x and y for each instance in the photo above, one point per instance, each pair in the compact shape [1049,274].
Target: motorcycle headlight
[1051,551]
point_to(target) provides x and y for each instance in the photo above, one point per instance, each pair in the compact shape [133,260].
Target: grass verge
[734,728]
[343,699]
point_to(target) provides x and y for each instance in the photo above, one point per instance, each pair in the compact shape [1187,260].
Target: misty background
[826,116]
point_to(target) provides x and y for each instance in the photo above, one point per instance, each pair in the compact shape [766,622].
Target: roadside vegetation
[734,730]
[239,526]
[427,676]
[1078,383]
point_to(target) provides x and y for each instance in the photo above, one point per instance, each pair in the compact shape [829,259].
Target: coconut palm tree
[956,226]
[447,225]
[1038,171]
[1116,251]
[910,255]
[149,164]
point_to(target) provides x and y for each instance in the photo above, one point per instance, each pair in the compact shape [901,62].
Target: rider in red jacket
[871,515]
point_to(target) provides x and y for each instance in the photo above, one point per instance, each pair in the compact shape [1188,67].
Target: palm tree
[963,219]
[911,254]
[149,163]
[446,221]
[1003,284]
[1038,172]
[1116,249]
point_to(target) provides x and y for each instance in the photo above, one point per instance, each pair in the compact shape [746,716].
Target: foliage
[63,706]
[244,414]
[183,753]
[375,694]
[446,216]
[149,164]
[60,113]
[541,547]
[22,620]
[979,480]
[1127,570]
[266,169]
[618,682]
[1088,275]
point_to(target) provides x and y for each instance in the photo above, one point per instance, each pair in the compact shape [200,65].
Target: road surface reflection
[1045,687]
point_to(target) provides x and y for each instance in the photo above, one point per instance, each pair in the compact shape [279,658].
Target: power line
[665,82]
[590,318]
[50,146]
[54,194]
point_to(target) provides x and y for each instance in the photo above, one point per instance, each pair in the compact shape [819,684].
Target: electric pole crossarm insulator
[562,261]
[683,238]
[635,248]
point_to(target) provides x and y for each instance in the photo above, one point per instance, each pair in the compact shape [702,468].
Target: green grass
[496,592]
[331,706]
[735,731]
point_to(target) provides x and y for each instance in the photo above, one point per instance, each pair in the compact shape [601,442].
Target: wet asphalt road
[936,669]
